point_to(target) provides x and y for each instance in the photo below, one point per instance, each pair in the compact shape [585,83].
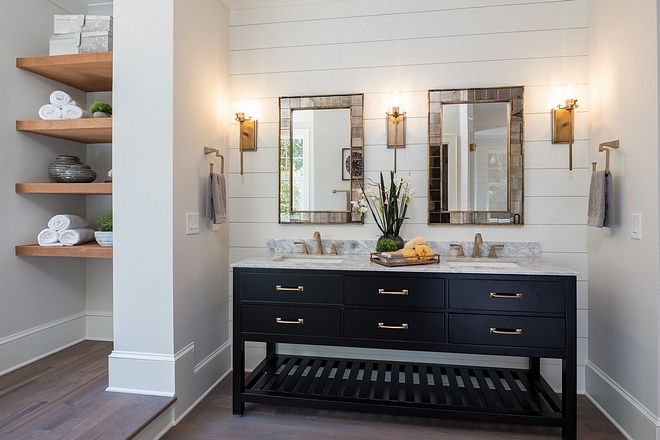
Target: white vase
[104,238]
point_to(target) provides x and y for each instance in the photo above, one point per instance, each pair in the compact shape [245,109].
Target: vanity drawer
[389,325]
[291,320]
[284,287]
[394,291]
[531,332]
[507,295]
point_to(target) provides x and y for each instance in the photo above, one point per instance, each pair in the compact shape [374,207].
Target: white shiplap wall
[303,47]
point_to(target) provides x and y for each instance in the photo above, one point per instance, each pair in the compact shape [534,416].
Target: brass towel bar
[606,146]
[208,150]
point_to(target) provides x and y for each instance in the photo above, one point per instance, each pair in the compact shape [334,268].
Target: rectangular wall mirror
[476,145]
[321,158]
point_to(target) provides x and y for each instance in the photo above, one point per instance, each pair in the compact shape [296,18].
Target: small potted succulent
[104,234]
[101,109]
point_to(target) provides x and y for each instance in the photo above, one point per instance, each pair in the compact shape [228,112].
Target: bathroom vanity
[520,308]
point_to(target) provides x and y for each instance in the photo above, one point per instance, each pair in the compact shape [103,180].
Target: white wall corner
[142,373]
[628,414]
[98,326]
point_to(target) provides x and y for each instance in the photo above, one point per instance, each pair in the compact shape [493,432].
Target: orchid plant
[387,205]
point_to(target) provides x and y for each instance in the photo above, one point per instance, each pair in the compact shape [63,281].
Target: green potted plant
[101,109]
[104,234]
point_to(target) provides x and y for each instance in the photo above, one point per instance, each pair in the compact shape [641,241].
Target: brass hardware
[396,123]
[493,253]
[460,253]
[208,150]
[473,147]
[247,134]
[319,244]
[563,127]
[303,251]
[282,321]
[333,248]
[393,327]
[495,331]
[506,295]
[295,289]
[605,146]
[385,292]
[476,252]
[593,166]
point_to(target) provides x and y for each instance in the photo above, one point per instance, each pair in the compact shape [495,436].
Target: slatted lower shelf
[485,394]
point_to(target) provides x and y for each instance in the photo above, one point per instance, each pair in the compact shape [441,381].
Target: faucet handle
[460,253]
[333,248]
[303,251]
[492,253]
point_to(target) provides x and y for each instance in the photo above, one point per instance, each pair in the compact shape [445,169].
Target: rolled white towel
[60,98]
[50,111]
[70,237]
[66,221]
[72,111]
[49,237]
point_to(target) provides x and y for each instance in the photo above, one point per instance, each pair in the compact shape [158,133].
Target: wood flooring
[212,419]
[63,396]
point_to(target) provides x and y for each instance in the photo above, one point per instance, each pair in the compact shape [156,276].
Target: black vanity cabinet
[532,316]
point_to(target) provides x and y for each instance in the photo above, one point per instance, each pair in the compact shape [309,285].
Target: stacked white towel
[65,230]
[70,237]
[50,111]
[49,237]
[72,111]
[60,98]
[67,221]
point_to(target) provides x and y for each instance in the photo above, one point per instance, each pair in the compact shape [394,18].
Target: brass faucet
[476,252]
[319,245]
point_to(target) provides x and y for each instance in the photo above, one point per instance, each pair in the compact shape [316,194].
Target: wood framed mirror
[321,158]
[476,156]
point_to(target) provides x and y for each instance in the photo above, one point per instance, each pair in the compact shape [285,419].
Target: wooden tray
[376,258]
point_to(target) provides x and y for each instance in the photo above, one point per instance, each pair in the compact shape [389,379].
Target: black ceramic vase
[398,241]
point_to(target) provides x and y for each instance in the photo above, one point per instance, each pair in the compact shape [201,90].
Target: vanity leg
[270,349]
[535,366]
[238,406]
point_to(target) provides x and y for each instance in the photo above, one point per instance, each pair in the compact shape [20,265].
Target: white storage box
[71,24]
[80,43]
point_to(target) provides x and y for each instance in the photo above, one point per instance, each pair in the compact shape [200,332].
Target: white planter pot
[104,238]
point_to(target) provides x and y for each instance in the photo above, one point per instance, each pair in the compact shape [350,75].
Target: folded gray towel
[601,200]
[216,199]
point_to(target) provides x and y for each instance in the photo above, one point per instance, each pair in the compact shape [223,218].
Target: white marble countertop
[360,262]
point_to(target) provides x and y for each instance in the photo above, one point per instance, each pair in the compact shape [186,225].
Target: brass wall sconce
[563,120]
[396,123]
[247,132]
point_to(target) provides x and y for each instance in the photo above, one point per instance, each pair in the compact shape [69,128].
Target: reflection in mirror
[321,150]
[476,156]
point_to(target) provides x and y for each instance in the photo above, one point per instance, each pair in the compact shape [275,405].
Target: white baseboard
[141,373]
[158,427]
[30,345]
[628,414]
[99,326]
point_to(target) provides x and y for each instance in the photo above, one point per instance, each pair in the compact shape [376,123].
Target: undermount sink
[312,260]
[481,264]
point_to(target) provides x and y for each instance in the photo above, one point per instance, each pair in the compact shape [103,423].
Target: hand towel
[66,221]
[601,200]
[70,237]
[216,199]
[50,111]
[49,237]
[72,111]
[60,98]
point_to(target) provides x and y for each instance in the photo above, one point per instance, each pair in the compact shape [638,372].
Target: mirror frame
[514,216]
[353,102]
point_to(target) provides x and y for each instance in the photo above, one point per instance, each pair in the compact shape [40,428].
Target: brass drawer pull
[495,331]
[281,321]
[385,292]
[393,327]
[506,295]
[296,289]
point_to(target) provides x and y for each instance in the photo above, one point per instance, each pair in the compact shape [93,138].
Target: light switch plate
[636,226]
[215,227]
[192,223]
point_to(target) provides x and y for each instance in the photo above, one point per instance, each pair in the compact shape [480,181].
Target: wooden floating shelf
[86,131]
[87,250]
[89,72]
[65,188]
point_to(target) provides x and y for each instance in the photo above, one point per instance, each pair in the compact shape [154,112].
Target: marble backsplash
[528,249]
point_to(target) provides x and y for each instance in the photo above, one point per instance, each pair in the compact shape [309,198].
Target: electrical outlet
[192,223]
[636,226]
[215,227]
